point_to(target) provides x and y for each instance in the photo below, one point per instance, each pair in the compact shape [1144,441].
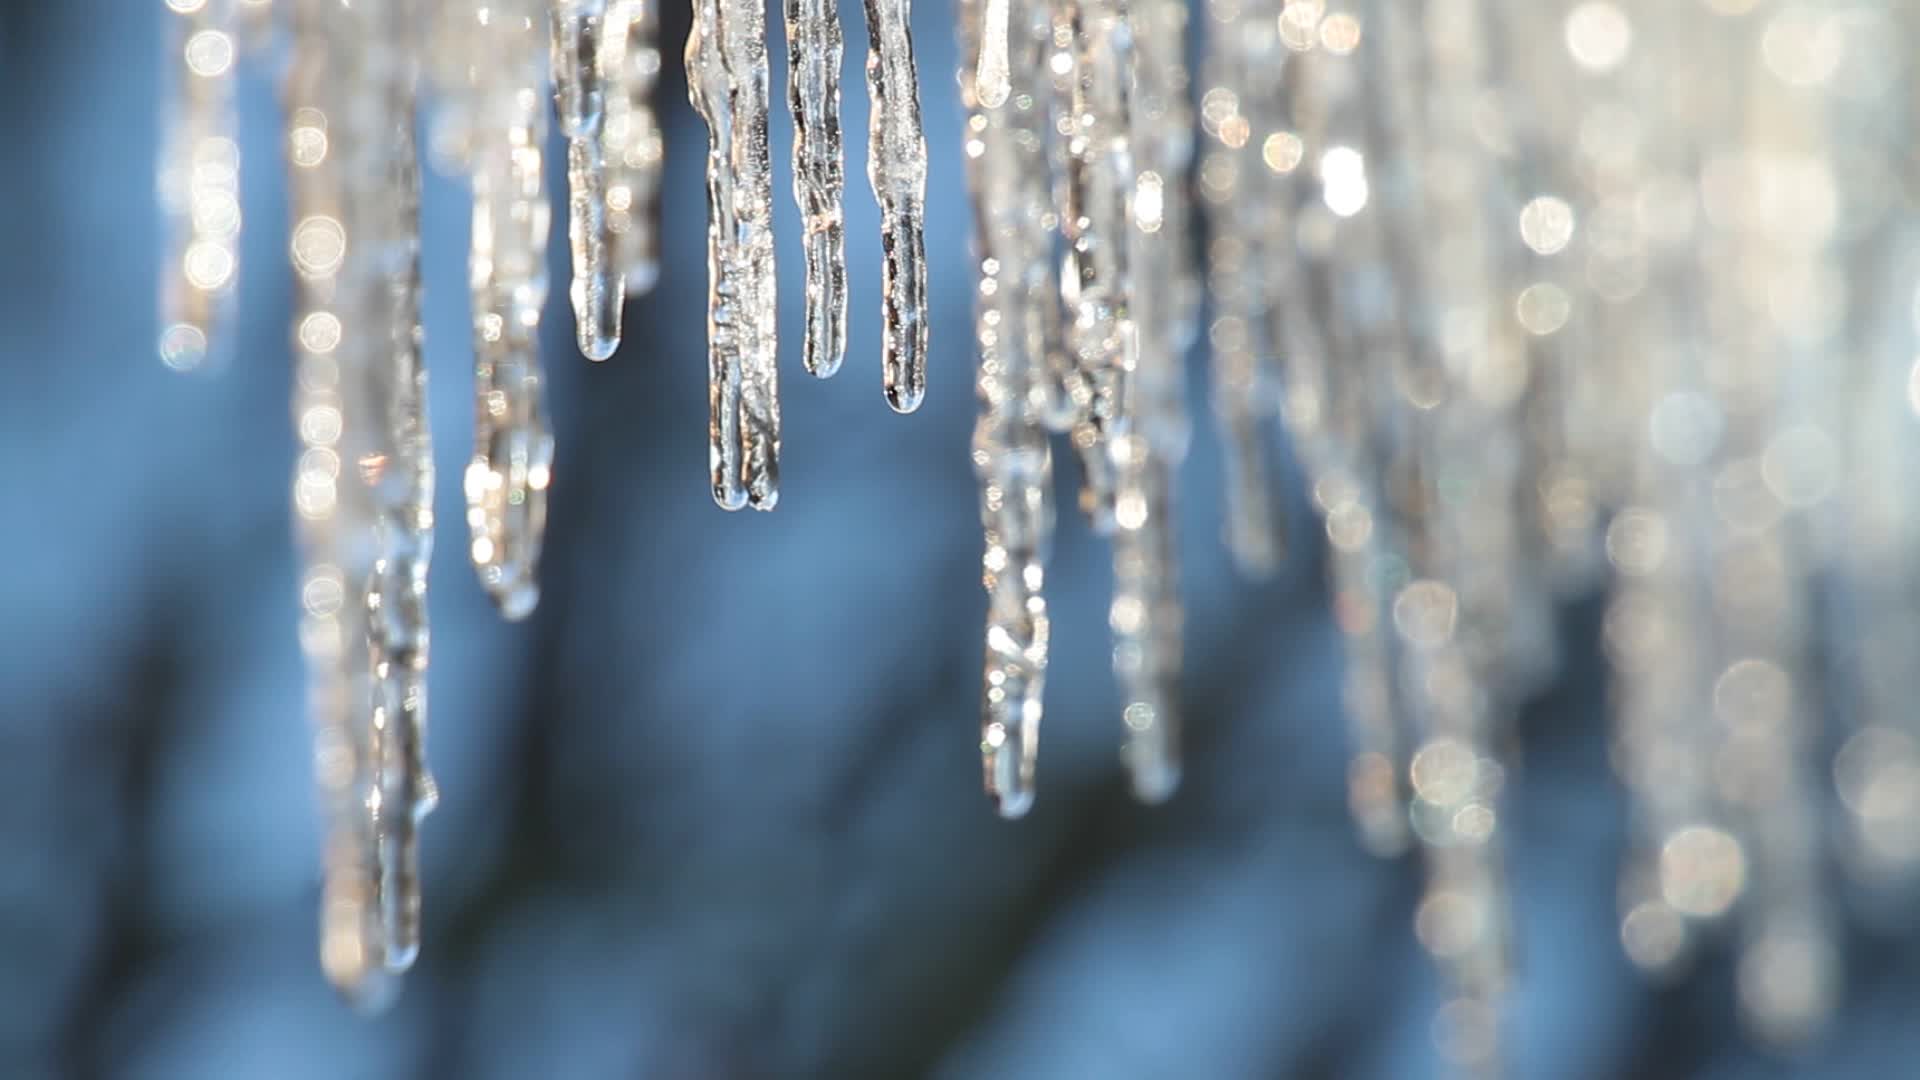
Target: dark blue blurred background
[713,813]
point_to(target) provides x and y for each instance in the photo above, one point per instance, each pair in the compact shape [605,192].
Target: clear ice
[897,169]
[814,51]
[599,289]
[727,83]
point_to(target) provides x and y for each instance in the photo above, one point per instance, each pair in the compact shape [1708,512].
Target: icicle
[992,79]
[1007,178]
[1250,154]
[1145,616]
[1146,613]
[727,84]
[599,290]
[199,183]
[401,471]
[630,64]
[814,50]
[1161,88]
[363,477]
[897,169]
[1435,342]
[1094,67]
[506,482]
[1869,539]
[1272,219]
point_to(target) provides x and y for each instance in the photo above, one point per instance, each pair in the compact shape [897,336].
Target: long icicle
[814,50]
[897,169]
[1249,156]
[1093,64]
[1006,171]
[599,289]
[199,184]
[351,245]
[1162,88]
[727,84]
[1146,613]
[630,134]
[401,470]
[506,482]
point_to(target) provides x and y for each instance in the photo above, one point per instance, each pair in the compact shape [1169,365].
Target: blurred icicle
[1870,539]
[1093,65]
[1295,275]
[1660,628]
[1146,613]
[363,485]
[633,147]
[1250,153]
[402,474]
[992,69]
[1449,379]
[1734,243]
[1006,171]
[506,482]
[199,183]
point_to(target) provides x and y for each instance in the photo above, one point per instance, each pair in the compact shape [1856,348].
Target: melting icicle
[630,64]
[1006,173]
[1146,613]
[814,50]
[599,290]
[897,169]
[199,183]
[506,482]
[362,475]
[727,84]
[1097,179]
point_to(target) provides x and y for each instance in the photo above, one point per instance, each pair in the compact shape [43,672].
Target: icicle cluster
[1078,144]
[1589,295]
[500,75]
[364,482]
[727,82]
[1547,291]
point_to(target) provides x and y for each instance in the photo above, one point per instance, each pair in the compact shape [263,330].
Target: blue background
[713,812]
